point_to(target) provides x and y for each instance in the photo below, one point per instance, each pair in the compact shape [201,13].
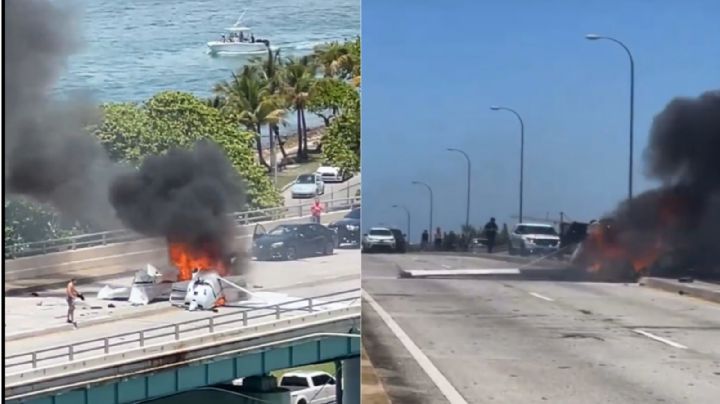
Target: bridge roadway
[45,310]
[516,340]
[272,282]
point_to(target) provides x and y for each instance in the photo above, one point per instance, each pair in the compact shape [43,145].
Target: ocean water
[135,48]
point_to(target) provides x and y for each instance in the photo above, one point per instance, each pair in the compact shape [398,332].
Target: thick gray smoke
[184,195]
[685,211]
[50,156]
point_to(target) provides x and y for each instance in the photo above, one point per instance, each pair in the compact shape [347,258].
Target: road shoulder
[373,391]
[403,379]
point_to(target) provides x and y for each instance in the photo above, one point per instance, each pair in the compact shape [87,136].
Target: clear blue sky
[432,68]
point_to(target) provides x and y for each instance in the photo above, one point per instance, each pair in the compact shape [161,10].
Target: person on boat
[223,38]
[252,38]
[240,37]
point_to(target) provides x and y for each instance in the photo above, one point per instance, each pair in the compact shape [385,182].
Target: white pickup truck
[309,387]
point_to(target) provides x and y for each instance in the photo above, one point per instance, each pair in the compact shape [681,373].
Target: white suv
[377,238]
[530,238]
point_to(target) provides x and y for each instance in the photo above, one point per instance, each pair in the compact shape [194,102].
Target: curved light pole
[408,217]
[522,153]
[430,232]
[594,37]
[469,168]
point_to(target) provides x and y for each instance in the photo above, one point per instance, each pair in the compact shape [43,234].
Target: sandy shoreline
[314,136]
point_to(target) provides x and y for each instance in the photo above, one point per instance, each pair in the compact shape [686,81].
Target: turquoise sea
[135,48]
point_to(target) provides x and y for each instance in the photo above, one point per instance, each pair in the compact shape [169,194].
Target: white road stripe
[660,339]
[539,296]
[460,272]
[445,387]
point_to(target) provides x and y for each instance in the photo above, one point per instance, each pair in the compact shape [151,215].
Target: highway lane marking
[445,387]
[539,296]
[659,339]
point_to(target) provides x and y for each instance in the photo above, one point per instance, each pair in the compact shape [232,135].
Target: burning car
[606,255]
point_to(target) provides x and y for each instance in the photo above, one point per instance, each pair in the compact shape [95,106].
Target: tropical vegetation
[251,105]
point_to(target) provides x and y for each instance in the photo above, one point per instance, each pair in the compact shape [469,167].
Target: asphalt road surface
[514,341]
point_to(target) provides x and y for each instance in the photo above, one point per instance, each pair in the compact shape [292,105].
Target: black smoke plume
[49,154]
[684,213]
[185,196]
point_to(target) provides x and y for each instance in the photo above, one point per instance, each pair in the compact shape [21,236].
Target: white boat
[238,40]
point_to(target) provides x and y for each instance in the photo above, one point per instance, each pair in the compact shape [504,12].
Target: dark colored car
[292,241]
[400,242]
[571,235]
[348,228]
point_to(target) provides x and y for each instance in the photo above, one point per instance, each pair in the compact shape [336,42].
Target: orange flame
[604,248]
[187,258]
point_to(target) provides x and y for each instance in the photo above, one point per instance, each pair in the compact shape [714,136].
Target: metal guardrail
[123,235]
[141,338]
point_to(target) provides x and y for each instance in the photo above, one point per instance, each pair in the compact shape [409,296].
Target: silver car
[307,186]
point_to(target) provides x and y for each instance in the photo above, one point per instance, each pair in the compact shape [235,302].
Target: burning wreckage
[672,230]
[196,280]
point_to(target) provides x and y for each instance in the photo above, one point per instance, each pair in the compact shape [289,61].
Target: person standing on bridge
[316,210]
[72,294]
[491,229]
[438,239]
[424,240]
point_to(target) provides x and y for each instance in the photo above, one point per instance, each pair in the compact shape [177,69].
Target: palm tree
[271,68]
[247,98]
[340,60]
[299,77]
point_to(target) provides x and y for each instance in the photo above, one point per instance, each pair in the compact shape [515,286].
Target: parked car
[331,174]
[378,238]
[292,241]
[531,238]
[309,387]
[348,228]
[400,241]
[307,186]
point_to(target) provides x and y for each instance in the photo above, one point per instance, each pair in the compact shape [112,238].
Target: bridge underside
[223,370]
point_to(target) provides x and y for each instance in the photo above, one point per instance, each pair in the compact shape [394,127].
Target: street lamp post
[430,232]
[469,169]
[408,217]
[594,37]
[522,153]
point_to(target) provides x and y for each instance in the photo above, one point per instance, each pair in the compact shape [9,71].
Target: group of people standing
[490,230]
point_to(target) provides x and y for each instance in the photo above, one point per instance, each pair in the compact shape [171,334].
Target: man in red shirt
[316,210]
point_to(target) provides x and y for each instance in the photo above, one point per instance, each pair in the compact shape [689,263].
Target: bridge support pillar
[338,382]
[351,381]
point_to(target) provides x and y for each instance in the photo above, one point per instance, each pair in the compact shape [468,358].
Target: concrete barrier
[179,353]
[699,289]
[115,258]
